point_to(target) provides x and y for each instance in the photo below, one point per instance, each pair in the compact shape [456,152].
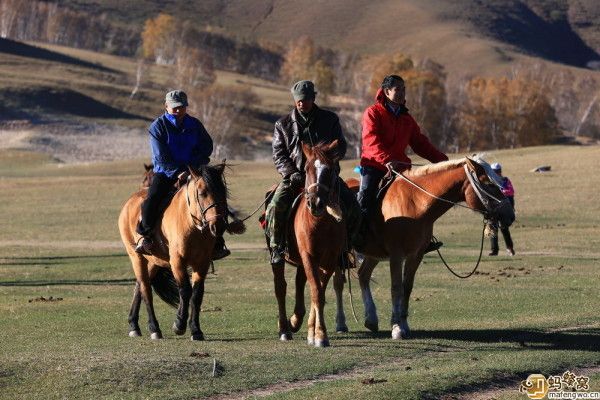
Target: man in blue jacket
[176,140]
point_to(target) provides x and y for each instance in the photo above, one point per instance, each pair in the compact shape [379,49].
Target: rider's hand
[394,165]
[296,179]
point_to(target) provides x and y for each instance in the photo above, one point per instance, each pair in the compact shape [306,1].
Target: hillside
[491,35]
[76,105]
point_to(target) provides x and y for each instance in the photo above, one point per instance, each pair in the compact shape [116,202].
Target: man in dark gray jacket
[306,123]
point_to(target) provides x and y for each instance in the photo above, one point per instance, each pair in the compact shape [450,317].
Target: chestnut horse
[317,244]
[194,218]
[403,229]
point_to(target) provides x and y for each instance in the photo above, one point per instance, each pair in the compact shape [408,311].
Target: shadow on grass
[71,282]
[582,339]
[51,260]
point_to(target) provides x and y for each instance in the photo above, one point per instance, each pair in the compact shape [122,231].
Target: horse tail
[165,286]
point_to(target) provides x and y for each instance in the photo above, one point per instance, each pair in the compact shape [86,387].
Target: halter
[203,220]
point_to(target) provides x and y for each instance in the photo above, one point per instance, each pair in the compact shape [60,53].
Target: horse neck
[178,211]
[446,185]
[306,222]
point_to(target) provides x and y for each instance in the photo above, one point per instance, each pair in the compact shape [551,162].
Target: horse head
[483,192]
[209,193]
[321,175]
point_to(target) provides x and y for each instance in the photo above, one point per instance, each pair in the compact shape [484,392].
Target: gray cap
[176,98]
[303,90]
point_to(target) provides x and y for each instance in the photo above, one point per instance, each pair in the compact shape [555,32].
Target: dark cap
[303,90]
[176,98]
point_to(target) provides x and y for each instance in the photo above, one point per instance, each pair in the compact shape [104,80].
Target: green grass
[532,313]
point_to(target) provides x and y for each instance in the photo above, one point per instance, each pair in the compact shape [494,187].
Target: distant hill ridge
[486,33]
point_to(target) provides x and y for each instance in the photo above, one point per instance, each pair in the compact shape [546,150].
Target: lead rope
[478,260]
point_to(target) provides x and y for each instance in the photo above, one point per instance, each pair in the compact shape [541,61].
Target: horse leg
[297,318]
[140,268]
[321,338]
[398,321]
[198,279]
[134,312]
[340,316]
[410,268]
[280,284]
[364,278]
[185,293]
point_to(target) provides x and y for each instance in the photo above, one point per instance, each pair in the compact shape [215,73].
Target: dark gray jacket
[287,145]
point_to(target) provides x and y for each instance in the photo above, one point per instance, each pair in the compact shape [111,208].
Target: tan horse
[403,229]
[189,227]
[318,245]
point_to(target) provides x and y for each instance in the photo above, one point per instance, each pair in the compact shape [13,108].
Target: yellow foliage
[157,37]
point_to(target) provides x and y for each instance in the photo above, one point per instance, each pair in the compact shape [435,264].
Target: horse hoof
[341,329]
[399,333]
[197,337]
[372,326]
[310,341]
[285,337]
[135,333]
[177,330]
[156,335]
[322,343]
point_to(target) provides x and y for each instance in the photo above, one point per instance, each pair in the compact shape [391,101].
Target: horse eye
[203,193]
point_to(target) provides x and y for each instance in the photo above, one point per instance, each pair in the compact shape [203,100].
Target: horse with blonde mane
[316,241]
[403,229]
[195,217]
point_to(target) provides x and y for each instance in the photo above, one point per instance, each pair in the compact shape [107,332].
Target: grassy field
[66,286]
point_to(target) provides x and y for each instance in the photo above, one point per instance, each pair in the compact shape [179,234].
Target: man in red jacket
[387,129]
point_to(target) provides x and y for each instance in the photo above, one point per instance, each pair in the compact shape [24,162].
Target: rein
[478,189]
[203,220]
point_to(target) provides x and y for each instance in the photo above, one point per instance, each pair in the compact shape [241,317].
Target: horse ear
[332,151]
[194,172]
[307,150]
[148,167]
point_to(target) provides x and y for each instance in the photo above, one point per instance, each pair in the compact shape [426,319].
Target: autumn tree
[221,109]
[301,61]
[500,113]
[159,39]
[193,68]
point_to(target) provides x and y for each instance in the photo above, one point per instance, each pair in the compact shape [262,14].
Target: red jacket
[386,136]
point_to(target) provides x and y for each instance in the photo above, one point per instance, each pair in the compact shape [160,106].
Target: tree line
[458,114]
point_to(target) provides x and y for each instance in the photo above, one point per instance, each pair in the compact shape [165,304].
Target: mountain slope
[473,35]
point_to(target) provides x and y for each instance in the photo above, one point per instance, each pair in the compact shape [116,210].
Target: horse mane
[436,167]
[214,179]
[327,157]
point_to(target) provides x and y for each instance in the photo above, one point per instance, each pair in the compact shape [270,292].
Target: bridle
[203,219]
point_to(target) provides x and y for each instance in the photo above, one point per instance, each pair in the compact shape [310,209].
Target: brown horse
[316,247]
[194,218]
[403,229]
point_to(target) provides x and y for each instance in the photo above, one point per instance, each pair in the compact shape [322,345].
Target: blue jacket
[174,148]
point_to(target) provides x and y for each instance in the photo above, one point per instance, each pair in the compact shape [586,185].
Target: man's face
[305,105]
[396,94]
[178,112]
